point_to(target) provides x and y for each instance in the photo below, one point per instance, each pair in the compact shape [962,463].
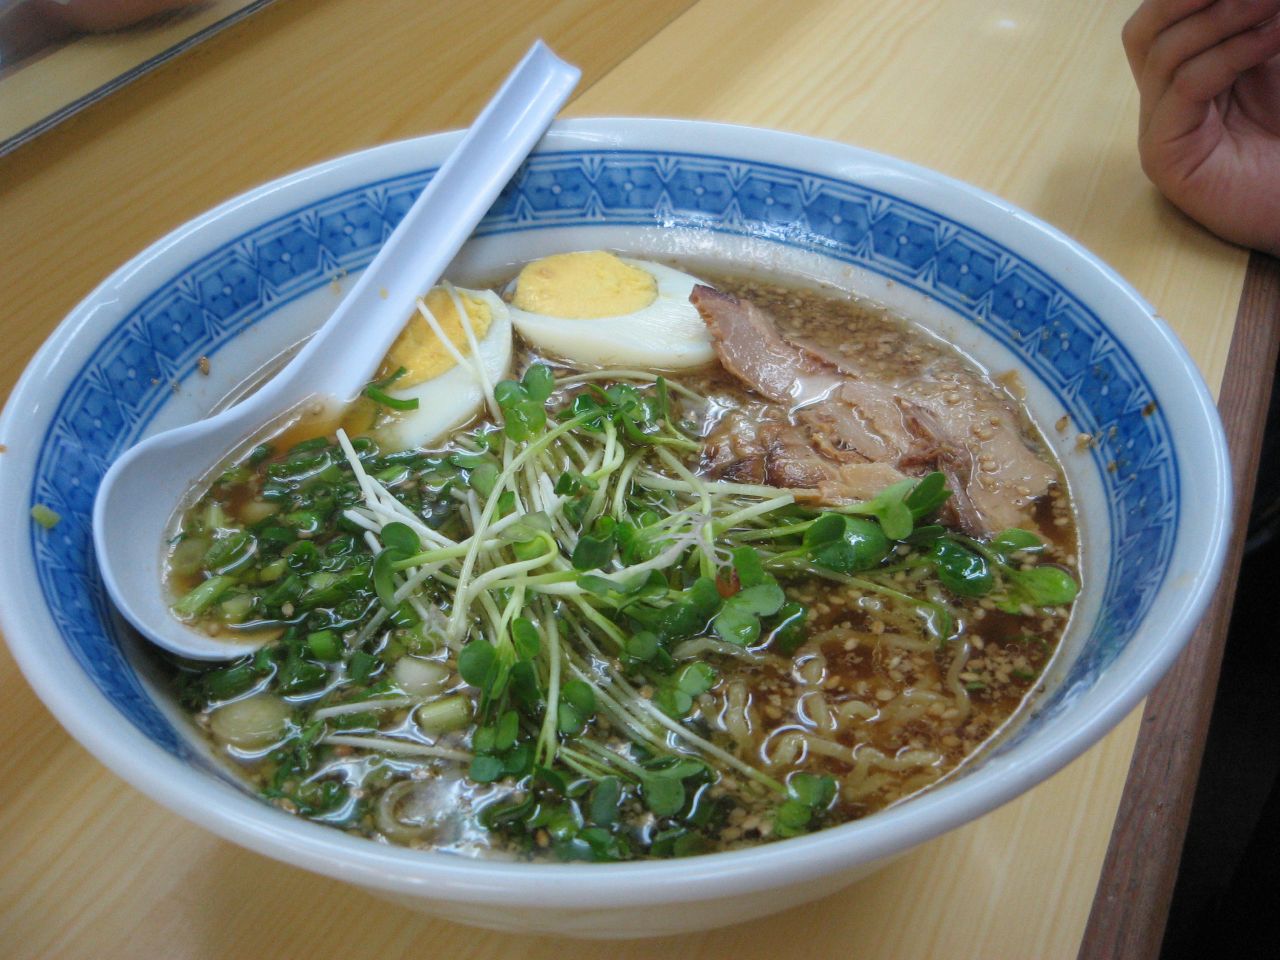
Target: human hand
[98,16]
[1209,131]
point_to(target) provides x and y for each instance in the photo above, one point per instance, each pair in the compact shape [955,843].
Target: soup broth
[631,613]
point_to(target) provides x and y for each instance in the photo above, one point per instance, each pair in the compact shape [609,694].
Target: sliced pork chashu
[842,431]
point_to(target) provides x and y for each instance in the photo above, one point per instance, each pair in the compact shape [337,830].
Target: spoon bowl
[142,490]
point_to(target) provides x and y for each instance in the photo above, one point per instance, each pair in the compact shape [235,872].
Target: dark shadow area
[31,28]
[1229,876]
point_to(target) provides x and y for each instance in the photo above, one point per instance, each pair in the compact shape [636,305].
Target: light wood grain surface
[1031,100]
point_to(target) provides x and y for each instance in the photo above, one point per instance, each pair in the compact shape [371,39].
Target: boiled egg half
[449,392]
[598,308]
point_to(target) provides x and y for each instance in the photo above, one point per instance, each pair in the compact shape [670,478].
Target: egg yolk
[583,286]
[419,351]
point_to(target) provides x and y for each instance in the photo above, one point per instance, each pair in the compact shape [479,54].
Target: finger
[1178,137]
[1147,22]
[1197,33]
[1204,77]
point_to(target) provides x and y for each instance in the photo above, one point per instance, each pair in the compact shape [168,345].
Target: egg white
[668,334]
[456,395]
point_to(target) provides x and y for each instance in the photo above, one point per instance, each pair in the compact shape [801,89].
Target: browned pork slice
[749,346]
[860,426]
[995,475]
[770,450]
[795,464]
[734,450]
[966,429]
[847,430]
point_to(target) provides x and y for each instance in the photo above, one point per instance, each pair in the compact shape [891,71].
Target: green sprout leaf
[621,594]
[808,796]
[485,768]
[605,800]
[676,694]
[468,461]
[524,635]
[695,678]
[678,842]
[792,819]
[759,595]
[846,544]
[577,706]
[518,761]
[539,382]
[1040,586]
[686,615]
[362,666]
[401,543]
[569,483]
[961,570]
[400,536]
[899,506]
[674,702]
[528,528]
[524,684]
[1015,540]
[788,633]
[751,572]
[584,403]
[815,792]
[925,535]
[738,621]
[663,795]
[927,495]
[478,663]
[384,576]
[523,404]
[594,550]
[827,528]
[637,544]
[642,647]
[484,478]
[505,731]
[662,786]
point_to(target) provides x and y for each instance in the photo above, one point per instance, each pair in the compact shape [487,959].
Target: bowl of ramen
[740,511]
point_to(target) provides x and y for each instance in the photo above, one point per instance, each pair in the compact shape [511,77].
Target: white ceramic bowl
[243,282]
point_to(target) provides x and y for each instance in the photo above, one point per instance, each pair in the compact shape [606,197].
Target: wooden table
[1031,100]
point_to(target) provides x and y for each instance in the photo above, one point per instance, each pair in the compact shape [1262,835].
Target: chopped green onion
[203,596]
[386,400]
[362,666]
[324,644]
[44,516]
[441,716]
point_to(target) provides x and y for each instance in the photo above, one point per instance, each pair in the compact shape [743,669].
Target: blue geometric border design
[124,383]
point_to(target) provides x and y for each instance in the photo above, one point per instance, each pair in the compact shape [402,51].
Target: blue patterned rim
[123,384]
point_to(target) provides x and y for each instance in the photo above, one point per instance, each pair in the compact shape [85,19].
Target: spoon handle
[344,353]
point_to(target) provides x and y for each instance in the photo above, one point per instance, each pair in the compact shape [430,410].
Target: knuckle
[1163,58]
[1129,34]
[1185,82]
[1148,163]
[1154,164]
